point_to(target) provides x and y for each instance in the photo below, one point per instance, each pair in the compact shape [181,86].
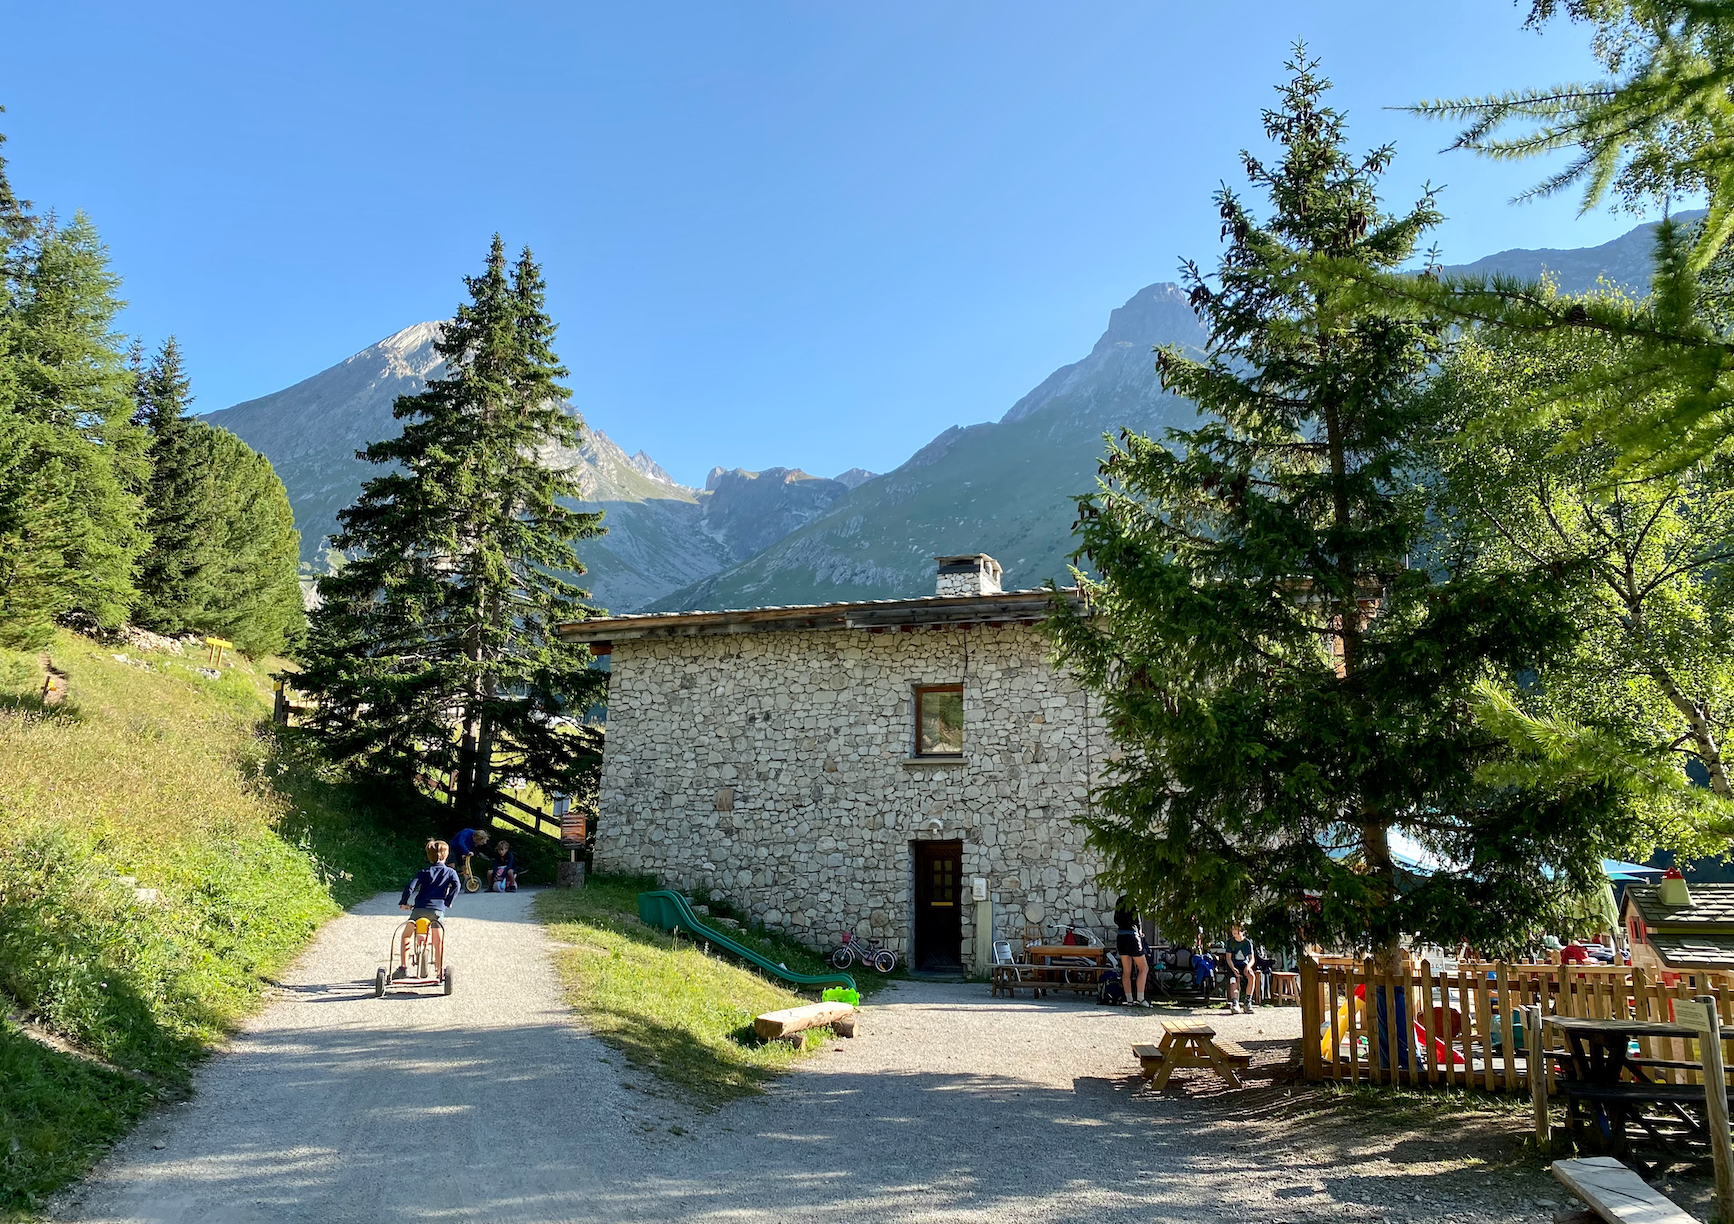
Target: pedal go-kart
[423,966]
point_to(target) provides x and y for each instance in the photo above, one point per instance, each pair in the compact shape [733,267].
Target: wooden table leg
[1167,1047]
[1223,1067]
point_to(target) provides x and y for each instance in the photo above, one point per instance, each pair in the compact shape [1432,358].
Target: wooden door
[938,905]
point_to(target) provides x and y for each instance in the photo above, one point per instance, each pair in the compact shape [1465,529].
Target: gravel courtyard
[493,1105]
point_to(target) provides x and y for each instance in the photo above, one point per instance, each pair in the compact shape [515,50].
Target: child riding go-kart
[419,943]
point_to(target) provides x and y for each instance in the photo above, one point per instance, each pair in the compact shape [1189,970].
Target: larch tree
[435,645]
[1645,695]
[224,553]
[1286,656]
[248,588]
[1656,129]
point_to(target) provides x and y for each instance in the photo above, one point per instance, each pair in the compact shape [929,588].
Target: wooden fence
[1455,1026]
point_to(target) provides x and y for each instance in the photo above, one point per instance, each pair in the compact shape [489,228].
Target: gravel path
[492,1106]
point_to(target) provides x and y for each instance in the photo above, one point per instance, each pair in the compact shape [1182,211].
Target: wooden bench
[1039,979]
[1234,1052]
[1615,1193]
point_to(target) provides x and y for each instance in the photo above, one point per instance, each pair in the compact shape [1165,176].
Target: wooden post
[1536,1061]
[1427,1025]
[1716,1110]
[1309,1000]
[1334,976]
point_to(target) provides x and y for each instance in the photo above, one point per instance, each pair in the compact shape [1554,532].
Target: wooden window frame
[915,752]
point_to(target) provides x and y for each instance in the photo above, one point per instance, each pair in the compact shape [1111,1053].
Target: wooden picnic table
[1602,1104]
[1191,1043]
[1052,973]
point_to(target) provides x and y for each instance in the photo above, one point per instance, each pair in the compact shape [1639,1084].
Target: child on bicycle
[504,875]
[434,888]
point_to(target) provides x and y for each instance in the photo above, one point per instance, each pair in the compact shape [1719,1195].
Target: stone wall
[774,768]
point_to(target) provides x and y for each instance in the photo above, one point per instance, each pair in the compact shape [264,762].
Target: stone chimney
[971,574]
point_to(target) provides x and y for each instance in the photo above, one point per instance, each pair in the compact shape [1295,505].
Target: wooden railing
[1454,1026]
[502,807]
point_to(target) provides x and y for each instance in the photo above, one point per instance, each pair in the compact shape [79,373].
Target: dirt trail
[335,1105]
[491,1106]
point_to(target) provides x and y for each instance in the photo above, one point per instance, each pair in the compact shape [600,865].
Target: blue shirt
[464,843]
[435,887]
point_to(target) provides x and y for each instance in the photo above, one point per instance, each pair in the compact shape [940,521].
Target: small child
[435,887]
[467,843]
[504,876]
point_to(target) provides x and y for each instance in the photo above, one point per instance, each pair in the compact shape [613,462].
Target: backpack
[1111,991]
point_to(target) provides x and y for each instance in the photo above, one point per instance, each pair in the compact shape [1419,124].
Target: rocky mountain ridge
[782,535]
[661,534]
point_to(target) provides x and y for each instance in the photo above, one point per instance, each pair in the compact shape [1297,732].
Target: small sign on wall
[978,889]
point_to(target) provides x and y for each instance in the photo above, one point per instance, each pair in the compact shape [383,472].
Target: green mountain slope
[1003,487]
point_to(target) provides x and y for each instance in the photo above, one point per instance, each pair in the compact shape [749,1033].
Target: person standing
[1129,943]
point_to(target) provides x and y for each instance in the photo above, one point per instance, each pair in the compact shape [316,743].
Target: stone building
[907,769]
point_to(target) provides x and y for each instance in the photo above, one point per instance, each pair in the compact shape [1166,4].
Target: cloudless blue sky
[799,234]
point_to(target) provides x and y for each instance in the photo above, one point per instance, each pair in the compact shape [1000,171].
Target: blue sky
[802,234]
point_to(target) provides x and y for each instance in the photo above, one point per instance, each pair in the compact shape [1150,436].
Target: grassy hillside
[162,855]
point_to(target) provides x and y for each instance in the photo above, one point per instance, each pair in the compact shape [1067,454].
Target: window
[939,720]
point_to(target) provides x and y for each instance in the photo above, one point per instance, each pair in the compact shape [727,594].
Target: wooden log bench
[1615,1193]
[790,1021]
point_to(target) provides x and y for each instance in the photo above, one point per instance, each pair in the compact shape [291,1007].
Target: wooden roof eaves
[1014,607]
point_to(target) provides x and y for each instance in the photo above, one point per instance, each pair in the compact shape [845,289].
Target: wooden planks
[776,1024]
[1617,1194]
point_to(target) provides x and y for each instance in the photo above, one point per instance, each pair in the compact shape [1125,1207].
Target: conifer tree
[248,586]
[1285,655]
[177,502]
[72,464]
[1645,697]
[435,644]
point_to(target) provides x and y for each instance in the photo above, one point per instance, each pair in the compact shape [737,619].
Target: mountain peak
[650,467]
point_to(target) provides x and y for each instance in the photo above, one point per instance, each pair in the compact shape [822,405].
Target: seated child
[504,876]
[434,888]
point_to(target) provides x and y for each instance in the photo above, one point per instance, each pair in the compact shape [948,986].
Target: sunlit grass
[162,854]
[664,1003]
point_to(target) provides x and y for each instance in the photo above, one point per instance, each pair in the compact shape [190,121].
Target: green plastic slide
[667,910]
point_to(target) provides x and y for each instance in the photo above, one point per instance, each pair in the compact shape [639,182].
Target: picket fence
[1454,1027]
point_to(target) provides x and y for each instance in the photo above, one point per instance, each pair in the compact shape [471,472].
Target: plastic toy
[1442,1051]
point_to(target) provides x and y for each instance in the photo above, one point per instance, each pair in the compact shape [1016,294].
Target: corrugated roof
[1712,905]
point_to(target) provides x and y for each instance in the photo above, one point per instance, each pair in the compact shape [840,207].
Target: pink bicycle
[869,954]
